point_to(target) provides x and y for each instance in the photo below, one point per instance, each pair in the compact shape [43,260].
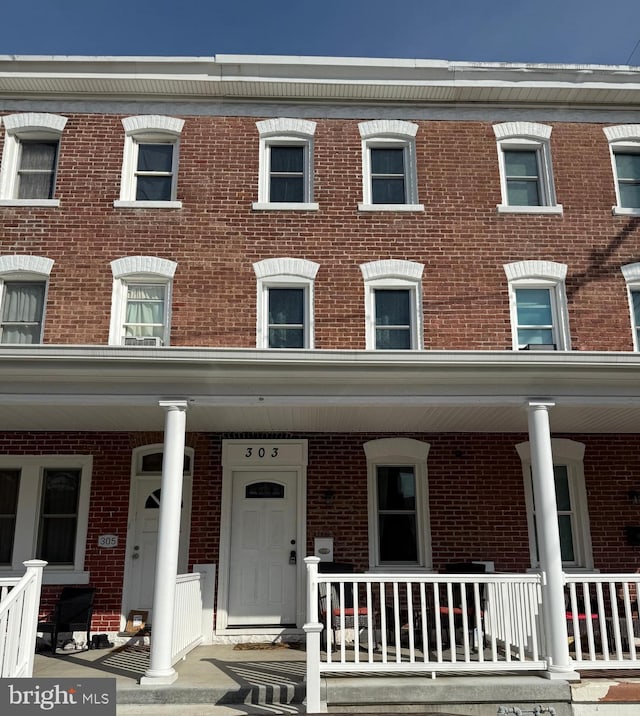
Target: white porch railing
[19,604]
[603,620]
[187,616]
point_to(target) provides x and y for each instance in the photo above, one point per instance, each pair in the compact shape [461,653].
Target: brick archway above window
[26,264]
[143,264]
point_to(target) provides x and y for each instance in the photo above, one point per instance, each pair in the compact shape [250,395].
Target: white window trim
[540,274]
[631,273]
[399,452]
[284,273]
[288,132]
[138,269]
[534,137]
[393,274]
[623,137]
[569,453]
[27,518]
[147,128]
[30,125]
[390,133]
[25,267]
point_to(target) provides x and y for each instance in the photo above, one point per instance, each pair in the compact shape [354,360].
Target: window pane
[628,166]
[396,488]
[287,159]
[566,538]
[286,338]
[635,297]
[521,164]
[535,336]
[286,305]
[630,195]
[523,193]
[387,161]
[37,170]
[22,309]
[534,306]
[387,190]
[155,157]
[398,538]
[286,189]
[393,307]
[9,484]
[563,497]
[393,339]
[145,304]
[152,188]
[58,517]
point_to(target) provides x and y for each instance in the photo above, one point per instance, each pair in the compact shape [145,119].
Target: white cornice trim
[26,264]
[286,267]
[130,265]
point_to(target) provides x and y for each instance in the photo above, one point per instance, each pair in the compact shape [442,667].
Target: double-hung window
[624,145]
[393,299]
[389,173]
[23,291]
[285,303]
[141,301]
[285,179]
[30,159]
[526,176]
[44,504]
[571,503]
[150,162]
[631,273]
[539,318]
[398,513]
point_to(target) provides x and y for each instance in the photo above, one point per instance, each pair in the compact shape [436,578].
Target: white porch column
[160,669]
[544,492]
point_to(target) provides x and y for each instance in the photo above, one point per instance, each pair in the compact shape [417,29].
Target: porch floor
[222,680]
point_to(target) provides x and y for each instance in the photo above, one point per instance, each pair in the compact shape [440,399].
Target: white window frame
[631,273]
[393,274]
[16,267]
[622,138]
[284,273]
[527,136]
[138,269]
[284,131]
[28,126]
[143,129]
[390,133]
[395,452]
[540,274]
[569,453]
[28,514]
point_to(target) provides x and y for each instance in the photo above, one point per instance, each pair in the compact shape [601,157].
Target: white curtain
[22,312]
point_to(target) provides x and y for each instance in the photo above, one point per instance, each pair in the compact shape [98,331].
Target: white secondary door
[143,540]
[263,548]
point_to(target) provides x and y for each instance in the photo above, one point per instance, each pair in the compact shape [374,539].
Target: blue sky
[574,31]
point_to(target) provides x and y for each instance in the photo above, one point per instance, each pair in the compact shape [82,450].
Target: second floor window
[146,311]
[535,312]
[393,312]
[22,311]
[287,317]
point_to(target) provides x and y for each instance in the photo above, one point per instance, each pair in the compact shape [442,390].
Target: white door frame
[264,456]
[138,478]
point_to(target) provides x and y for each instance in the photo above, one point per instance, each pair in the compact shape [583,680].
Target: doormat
[250,646]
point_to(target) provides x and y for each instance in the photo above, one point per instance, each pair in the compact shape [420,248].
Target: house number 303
[261,452]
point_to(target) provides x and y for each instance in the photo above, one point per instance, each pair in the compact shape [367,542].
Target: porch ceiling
[117,388]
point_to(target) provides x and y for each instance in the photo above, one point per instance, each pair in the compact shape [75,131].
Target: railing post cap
[35,563]
[312,560]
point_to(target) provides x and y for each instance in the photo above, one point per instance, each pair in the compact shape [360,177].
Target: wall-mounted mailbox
[323,548]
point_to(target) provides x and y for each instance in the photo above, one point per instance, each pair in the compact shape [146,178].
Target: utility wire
[632,52]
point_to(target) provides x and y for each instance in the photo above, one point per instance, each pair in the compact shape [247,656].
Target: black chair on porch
[72,612]
[340,618]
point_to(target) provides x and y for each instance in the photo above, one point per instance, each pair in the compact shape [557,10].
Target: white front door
[263,549]
[143,540]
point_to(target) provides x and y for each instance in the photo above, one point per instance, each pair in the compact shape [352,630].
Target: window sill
[506,209]
[285,206]
[391,207]
[119,204]
[50,203]
[623,211]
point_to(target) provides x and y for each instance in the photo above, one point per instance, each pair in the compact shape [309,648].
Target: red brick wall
[476,499]
[216,237]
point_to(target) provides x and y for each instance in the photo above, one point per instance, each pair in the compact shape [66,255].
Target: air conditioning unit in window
[149,341]
[540,347]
